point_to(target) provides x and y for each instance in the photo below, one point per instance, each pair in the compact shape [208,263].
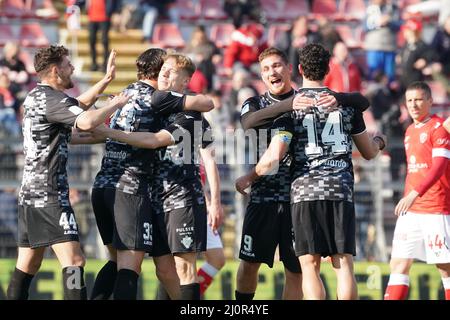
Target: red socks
[397,287]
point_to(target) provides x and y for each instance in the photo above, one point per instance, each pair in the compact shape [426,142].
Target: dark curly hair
[47,57]
[314,60]
[149,63]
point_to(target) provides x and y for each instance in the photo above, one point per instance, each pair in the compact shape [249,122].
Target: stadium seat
[294,8]
[220,34]
[271,10]
[167,35]
[274,32]
[31,35]
[212,10]
[325,8]
[352,10]
[188,9]
[6,34]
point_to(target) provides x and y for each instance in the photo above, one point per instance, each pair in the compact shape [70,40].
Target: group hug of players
[148,196]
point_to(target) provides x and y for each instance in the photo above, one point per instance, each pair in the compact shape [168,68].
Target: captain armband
[284,136]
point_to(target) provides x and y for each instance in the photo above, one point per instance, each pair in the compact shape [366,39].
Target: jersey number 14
[332,134]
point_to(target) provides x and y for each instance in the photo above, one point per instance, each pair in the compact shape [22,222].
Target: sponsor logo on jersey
[119,155]
[443,141]
[415,167]
[329,163]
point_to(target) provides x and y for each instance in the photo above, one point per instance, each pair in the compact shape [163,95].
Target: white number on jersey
[332,134]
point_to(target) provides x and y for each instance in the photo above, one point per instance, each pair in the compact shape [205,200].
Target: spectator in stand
[344,75]
[246,44]
[152,10]
[380,96]
[241,82]
[381,25]
[204,53]
[441,46]
[294,39]
[8,120]
[15,68]
[414,56]
[99,15]
[237,9]
[328,33]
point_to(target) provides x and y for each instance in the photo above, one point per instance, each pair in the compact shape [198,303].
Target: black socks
[19,285]
[104,282]
[190,291]
[243,296]
[73,283]
[126,285]
[162,293]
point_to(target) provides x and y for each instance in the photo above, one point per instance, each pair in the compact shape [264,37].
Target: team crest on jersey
[423,137]
[187,242]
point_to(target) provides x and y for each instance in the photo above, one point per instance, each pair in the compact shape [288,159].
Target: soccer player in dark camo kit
[127,224]
[179,226]
[267,222]
[322,208]
[46,217]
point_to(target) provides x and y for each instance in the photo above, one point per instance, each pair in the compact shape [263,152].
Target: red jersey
[422,143]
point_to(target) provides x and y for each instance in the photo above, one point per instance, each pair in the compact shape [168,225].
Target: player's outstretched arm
[369,146]
[89,97]
[215,210]
[92,118]
[147,140]
[86,137]
[200,103]
[252,118]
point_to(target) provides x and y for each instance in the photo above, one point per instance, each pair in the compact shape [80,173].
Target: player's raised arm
[89,97]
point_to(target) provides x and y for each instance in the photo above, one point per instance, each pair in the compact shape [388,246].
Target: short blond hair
[183,62]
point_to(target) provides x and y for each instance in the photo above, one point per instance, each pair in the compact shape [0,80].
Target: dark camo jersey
[177,180]
[270,188]
[321,150]
[49,115]
[127,168]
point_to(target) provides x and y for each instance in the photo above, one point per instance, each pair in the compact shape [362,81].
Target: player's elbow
[86,123]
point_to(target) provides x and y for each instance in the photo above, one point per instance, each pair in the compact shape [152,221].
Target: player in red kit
[422,230]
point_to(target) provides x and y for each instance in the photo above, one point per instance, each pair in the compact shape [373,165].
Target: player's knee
[218,261]
[165,274]
[78,261]
[185,269]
